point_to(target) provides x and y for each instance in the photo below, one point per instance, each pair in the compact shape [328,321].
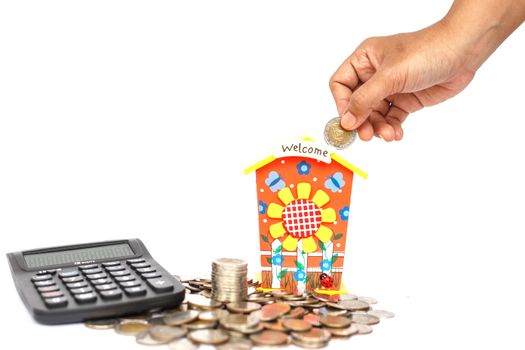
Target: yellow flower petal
[277,230]
[320,198]
[290,244]
[327,215]
[285,195]
[275,211]
[324,234]
[309,245]
[303,190]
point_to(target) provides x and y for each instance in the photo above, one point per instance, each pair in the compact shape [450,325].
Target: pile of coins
[262,319]
[336,136]
[228,280]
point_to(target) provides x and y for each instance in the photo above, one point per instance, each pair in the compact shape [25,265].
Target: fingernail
[348,120]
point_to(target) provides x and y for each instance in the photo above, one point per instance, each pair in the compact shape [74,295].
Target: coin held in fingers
[338,137]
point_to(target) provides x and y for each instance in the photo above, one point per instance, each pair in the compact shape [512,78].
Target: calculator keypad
[109,281]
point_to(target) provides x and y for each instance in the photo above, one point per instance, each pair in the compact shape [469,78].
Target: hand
[387,78]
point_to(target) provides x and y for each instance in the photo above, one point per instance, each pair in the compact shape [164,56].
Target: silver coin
[146,339]
[381,313]
[368,300]
[213,315]
[364,319]
[182,344]
[200,324]
[309,345]
[344,332]
[166,333]
[181,317]
[338,137]
[363,328]
[201,302]
[236,344]
[209,336]
[350,305]
[239,322]
[243,307]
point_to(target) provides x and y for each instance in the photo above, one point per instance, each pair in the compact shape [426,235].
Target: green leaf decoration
[264,238]
[269,260]
[307,279]
[281,274]
[322,246]
[338,236]
[299,265]
[334,258]
[278,249]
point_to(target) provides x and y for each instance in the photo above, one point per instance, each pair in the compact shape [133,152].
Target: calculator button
[68,274]
[55,302]
[86,298]
[135,291]
[92,271]
[130,284]
[160,284]
[81,290]
[137,260]
[119,273]
[151,275]
[115,268]
[54,294]
[46,272]
[44,283]
[41,278]
[48,289]
[124,278]
[111,294]
[87,267]
[146,270]
[108,286]
[72,279]
[101,281]
[111,263]
[96,276]
[77,285]
[140,265]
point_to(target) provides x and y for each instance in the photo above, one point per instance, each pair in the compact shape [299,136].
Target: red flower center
[301,218]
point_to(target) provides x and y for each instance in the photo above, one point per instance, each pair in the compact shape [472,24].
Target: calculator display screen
[70,256]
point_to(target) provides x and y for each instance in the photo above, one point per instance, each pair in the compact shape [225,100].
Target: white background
[123,119]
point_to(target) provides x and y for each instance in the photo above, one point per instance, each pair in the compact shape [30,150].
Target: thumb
[377,88]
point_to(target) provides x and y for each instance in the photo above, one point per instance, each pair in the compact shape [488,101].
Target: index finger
[342,83]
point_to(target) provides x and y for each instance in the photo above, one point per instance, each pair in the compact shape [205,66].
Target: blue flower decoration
[277,260]
[303,168]
[262,207]
[344,213]
[326,265]
[299,275]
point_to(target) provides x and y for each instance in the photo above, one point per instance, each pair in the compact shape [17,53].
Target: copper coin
[209,336]
[313,319]
[296,325]
[269,338]
[275,326]
[270,312]
[313,335]
[295,313]
[335,321]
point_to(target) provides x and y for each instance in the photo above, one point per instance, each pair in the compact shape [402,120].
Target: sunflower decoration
[301,218]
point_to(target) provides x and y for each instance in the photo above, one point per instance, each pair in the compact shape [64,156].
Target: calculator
[89,281]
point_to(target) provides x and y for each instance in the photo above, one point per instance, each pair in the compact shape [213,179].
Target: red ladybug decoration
[326,281]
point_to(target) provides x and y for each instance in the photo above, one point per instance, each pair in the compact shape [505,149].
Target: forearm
[480,26]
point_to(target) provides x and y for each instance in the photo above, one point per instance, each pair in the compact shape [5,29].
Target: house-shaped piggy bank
[303,194]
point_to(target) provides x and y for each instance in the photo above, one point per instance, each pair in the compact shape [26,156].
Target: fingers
[342,83]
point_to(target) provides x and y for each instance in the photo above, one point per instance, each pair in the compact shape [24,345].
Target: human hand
[387,78]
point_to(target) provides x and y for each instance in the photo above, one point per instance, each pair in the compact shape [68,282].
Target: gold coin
[269,338]
[166,333]
[181,317]
[296,325]
[146,339]
[270,312]
[243,307]
[131,327]
[209,336]
[201,302]
[182,344]
[109,323]
[200,324]
[338,137]
[335,321]
[343,332]
[364,319]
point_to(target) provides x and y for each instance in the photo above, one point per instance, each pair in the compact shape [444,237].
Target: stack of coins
[228,280]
